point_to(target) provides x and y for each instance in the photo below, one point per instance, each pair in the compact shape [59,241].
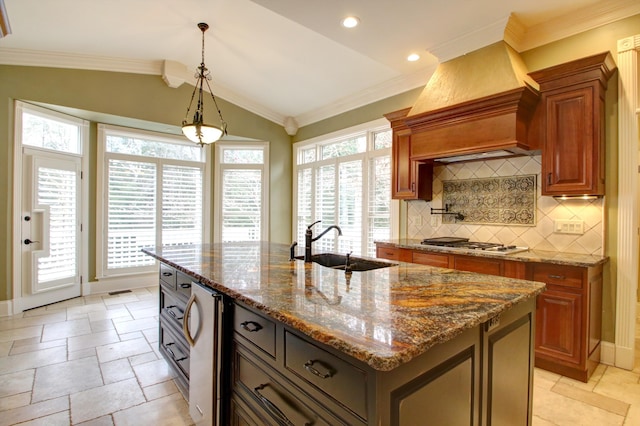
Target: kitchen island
[395,345]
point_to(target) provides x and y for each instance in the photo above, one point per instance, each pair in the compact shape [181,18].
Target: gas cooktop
[464,243]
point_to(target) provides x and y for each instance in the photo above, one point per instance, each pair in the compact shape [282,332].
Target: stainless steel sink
[339,261]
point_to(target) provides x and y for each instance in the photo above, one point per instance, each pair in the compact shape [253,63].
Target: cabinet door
[431,259]
[571,159]
[559,325]
[410,180]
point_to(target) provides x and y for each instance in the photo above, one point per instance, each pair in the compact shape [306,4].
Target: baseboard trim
[6,308]
[106,285]
[607,353]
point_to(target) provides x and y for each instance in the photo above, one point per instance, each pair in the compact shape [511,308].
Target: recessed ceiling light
[413,57]
[350,22]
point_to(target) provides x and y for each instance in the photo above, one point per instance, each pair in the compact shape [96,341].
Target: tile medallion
[509,200]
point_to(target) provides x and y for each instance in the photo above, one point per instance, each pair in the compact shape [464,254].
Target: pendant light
[197,130]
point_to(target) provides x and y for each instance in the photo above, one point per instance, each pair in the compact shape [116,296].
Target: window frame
[369,128]
[219,167]
[102,272]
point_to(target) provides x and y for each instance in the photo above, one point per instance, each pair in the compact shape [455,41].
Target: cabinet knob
[166,274]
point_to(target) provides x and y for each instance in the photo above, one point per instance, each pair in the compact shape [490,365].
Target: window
[153,193]
[345,180]
[242,183]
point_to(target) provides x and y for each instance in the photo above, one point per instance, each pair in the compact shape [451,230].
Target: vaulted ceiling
[288,58]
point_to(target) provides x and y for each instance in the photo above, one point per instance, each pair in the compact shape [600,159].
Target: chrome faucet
[308,238]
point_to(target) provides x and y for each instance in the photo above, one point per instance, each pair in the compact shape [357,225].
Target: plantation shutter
[181,205]
[131,213]
[241,204]
[350,206]
[305,202]
[379,217]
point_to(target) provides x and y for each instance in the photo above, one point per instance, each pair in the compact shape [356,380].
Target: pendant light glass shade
[197,130]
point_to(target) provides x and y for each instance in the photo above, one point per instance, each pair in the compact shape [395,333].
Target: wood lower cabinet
[569,312]
[483,376]
[569,316]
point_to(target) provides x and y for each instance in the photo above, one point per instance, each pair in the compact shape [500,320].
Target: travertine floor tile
[66,378]
[109,314]
[92,340]
[5,347]
[15,401]
[160,389]
[116,371]
[123,327]
[170,410]
[16,383]
[102,421]
[620,384]
[609,404]
[58,419]
[97,402]
[124,349]
[61,330]
[21,349]
[20,333]
[34,411]
[48,318]
[33,359]
[562,411]
[154,372]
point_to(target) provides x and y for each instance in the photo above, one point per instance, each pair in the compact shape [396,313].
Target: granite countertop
[560,258]
[384,317]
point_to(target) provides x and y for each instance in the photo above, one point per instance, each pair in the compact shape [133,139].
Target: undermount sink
[339,261]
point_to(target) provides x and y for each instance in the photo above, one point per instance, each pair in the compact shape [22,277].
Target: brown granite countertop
[560,258]
[384,317]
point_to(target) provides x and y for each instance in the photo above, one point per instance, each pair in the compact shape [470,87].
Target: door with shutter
[51,228]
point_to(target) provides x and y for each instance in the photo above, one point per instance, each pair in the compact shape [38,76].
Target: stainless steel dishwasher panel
[203,330]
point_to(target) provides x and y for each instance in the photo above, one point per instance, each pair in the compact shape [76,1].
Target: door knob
[28,241]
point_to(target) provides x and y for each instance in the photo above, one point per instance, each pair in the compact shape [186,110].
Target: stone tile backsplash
[538,234]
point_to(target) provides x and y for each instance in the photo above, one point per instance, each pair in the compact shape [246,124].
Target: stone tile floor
[94,361]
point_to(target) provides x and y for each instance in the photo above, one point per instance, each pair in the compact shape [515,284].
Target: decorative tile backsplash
[540,235]
[507,200]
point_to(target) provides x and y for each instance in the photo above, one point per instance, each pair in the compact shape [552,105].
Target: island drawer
[168,276]
[257,329]
[562,275]
[343,382]
[271,396]
[171,308]
[183,284]
[173,349]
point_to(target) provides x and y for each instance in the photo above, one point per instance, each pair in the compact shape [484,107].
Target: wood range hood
[474,107]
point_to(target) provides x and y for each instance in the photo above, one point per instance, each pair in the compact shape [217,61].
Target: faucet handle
[317,221]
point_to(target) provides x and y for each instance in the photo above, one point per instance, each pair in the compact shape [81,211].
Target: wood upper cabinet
[573,125]
[410,180]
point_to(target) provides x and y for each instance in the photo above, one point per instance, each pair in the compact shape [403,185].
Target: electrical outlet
[434,221]
[568,227]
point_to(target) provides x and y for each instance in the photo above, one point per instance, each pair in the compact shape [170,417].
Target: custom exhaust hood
[477,106]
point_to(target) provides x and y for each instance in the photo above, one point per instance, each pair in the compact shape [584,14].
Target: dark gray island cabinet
[404,345]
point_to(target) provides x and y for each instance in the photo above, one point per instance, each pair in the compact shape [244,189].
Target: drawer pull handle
[251,326]
[167,274]
[273,408]
[169,309]
[311,369]
[557,277]
[173,355]
[185,285]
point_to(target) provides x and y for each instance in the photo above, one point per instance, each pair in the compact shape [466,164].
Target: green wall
[136,100]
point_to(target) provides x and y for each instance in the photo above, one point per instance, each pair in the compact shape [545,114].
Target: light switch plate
[561,226]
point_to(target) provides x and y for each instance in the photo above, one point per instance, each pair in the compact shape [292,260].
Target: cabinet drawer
[168,276]
[183,284]
[174,349]
[431,259]
[171,308]
[390,253]
[257,329]
[271,396]
[343,382]
[562,275]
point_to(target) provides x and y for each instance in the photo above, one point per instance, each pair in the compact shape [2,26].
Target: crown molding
[599,14]
[470,41]
[367,96]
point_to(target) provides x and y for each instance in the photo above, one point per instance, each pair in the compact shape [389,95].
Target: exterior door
[51,229]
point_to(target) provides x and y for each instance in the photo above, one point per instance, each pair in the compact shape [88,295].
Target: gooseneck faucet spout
[309,239]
